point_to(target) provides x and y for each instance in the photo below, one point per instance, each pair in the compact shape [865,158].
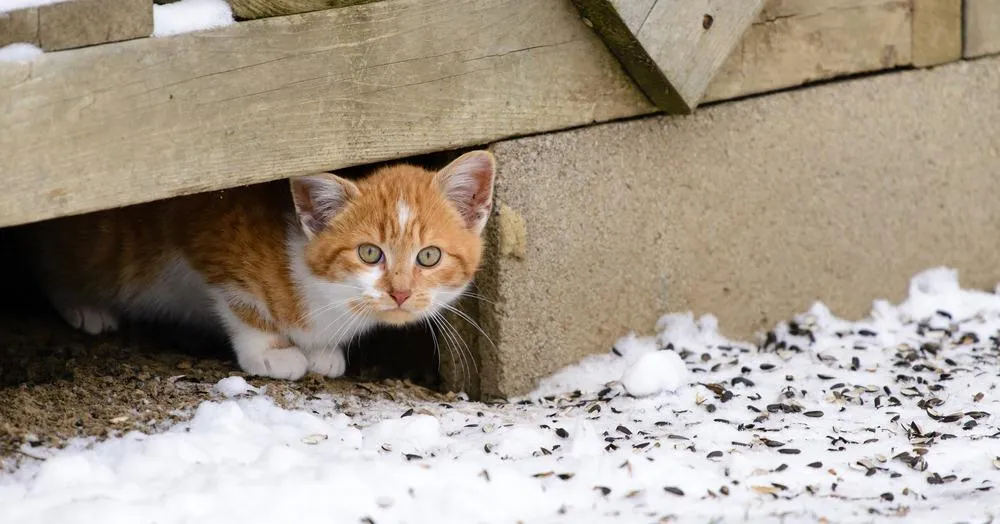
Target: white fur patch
[404,212]
[259,353]
[178,292]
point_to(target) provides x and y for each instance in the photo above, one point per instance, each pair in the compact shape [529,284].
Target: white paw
[90,320]
[286,363]
[329,362]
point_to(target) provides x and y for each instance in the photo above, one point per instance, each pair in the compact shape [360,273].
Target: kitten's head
[400,244]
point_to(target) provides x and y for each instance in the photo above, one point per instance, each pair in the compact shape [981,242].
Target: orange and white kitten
[290,276]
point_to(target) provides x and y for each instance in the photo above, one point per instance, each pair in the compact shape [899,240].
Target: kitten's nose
[400,296]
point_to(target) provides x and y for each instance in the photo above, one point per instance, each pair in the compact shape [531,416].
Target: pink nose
[400,296]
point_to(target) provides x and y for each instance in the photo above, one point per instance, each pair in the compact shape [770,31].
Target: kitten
[290,276]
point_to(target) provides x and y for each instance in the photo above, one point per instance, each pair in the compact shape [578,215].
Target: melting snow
[891,417]
[20,52]
[186,16]
[14,5]
[234,386]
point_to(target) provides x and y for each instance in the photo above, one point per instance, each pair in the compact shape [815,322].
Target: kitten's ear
[467,183]
[318,198]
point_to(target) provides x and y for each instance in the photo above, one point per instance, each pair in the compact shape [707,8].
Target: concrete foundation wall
[750,210]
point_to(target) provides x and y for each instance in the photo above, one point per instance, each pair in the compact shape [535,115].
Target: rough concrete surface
[749,210]
[982,27]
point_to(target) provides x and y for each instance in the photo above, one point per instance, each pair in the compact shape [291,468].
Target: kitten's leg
[90,319]
[260,352]
[328,361]
[267,354]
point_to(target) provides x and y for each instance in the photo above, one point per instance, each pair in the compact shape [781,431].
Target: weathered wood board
[78,23]
[19,26]
[671,48]
[147,119]
[937,32]
[794,42]
[982,27]
[257,9]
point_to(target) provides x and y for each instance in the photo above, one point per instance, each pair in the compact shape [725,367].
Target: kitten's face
[401,244]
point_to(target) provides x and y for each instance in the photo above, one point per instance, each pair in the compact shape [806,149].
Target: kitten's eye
[370,253]
[429,256]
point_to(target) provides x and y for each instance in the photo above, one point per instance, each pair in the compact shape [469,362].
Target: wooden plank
[78,23]
[147,119]
[937,32]
[671,48]
[255,9]
[794,42]
[982,28]
[19,26]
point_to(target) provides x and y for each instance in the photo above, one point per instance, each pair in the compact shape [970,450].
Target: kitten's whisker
[477,297]
[459,358]
[346,331]
[465,346]
[330,348]
[322,332]
[451,351]
[357,330]
[471,322]
[437,350]
[460,345]
[341,328]
[308,316]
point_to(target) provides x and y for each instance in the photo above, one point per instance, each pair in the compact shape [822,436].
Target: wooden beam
[937,32]
[671,48]
[982,28]
[78,23]
[19,26]
[147,119]
[256,9]
[794,42]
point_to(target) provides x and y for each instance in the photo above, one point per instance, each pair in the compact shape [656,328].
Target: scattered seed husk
[315,438]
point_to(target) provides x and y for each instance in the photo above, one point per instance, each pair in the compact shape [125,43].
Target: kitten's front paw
[90,320]
[329,362]
[285,363]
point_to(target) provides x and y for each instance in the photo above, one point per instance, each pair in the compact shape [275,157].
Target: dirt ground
[56,383]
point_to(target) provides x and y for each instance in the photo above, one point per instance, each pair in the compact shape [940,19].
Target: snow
[654,372]
[14,5]
[887,418]
[19,52]
[186,16]
[233,387]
